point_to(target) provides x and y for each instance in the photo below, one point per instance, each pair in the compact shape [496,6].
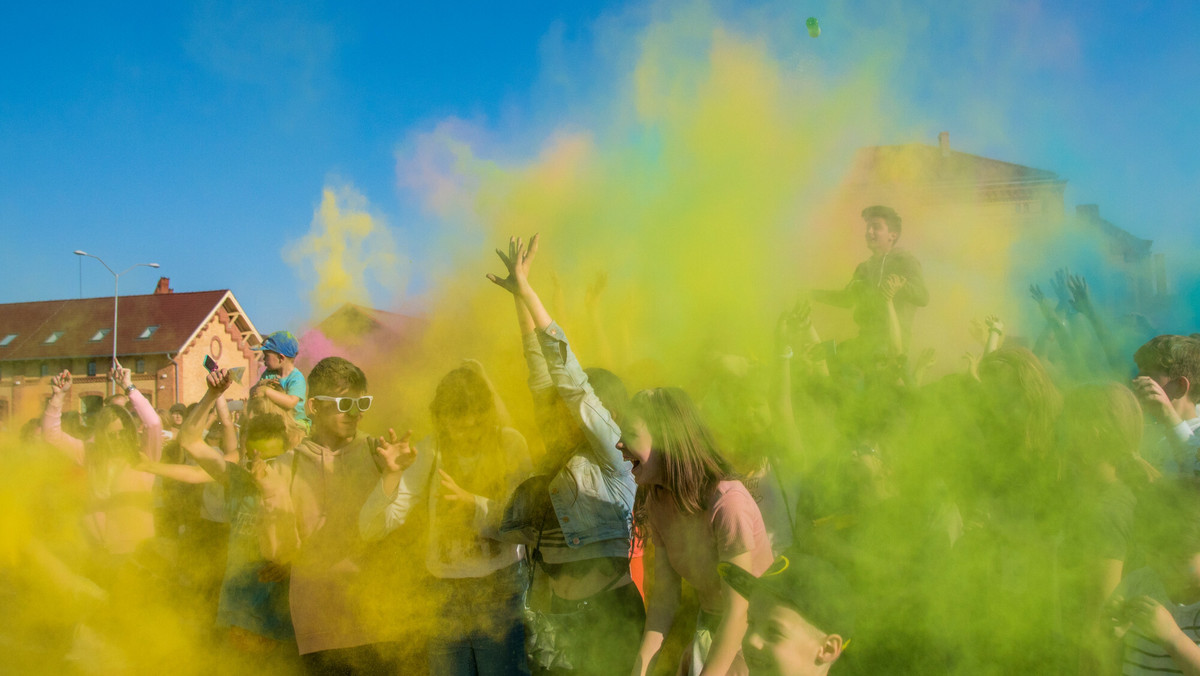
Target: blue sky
[199,136]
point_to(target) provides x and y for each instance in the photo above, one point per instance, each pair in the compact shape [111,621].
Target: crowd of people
[828,509]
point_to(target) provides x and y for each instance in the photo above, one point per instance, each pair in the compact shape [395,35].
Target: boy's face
[326,418]
[780,642]
[880,238]
[272,360]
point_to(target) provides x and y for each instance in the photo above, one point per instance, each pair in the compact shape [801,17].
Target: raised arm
[540,384]
[995,334]
[786,343]
[1058,327]
[564,369]
[229,432]
[404,476]
[1081,298]
[52,419]
[593,418]
[152,424]
[191,433]
[284,400]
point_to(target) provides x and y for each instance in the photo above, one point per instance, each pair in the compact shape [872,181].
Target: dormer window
[7,339]
[53,337]
[148,332]
[99,335]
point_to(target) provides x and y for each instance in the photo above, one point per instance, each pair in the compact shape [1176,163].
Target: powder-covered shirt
[328,490]
[1175,454]
[121,514]
[246,602]
[1143,656]
[695,543]
[293,385]
[472,550]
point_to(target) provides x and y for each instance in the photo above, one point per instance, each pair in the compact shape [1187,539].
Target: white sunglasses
[345,404]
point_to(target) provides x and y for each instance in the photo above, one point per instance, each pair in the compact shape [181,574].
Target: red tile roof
[177,316]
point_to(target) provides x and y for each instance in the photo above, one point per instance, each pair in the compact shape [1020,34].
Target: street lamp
[116,280]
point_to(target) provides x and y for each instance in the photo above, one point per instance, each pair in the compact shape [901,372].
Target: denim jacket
[593,494]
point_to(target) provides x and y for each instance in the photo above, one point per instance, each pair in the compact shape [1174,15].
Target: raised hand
[925,359]
[1059,284]
[122,376]
[993,324]
[1081,297]
[1035,292]
[393,454]
[61,383]
[219,380]
[452,491]
[517,261]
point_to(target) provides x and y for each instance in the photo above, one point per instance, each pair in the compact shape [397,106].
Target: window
[91,371]
[139,366]
[99,336]
[8,339]
[148,332]
[44,370]
[53,337]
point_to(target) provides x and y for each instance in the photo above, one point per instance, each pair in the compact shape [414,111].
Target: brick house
[162,337]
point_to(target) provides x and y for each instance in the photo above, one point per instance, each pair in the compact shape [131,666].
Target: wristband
[788,354]
[130,388]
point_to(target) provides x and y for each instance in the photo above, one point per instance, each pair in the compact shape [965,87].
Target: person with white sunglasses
[311,503]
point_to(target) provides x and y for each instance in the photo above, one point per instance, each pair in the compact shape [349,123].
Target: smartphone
[209,363]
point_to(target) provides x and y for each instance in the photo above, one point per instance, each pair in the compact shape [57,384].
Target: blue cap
[282,342]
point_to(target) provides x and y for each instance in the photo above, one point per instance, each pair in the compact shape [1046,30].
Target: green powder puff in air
[814,28]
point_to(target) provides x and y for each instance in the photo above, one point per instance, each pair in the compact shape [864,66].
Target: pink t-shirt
[696,543]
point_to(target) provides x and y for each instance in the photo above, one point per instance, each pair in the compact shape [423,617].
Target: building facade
[163,338]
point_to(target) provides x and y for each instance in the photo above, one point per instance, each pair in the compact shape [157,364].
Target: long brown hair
[1103,423]
[108,453]
[464,393]
[691,460]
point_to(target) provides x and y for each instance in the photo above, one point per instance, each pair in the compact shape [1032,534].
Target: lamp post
[116,281]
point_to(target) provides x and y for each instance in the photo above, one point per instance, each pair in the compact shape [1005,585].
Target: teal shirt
[296,386]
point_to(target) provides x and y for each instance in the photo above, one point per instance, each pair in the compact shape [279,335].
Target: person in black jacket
[890,274]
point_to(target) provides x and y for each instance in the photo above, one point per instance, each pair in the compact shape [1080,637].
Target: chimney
[944,143]
[1090,212]
[164,286]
